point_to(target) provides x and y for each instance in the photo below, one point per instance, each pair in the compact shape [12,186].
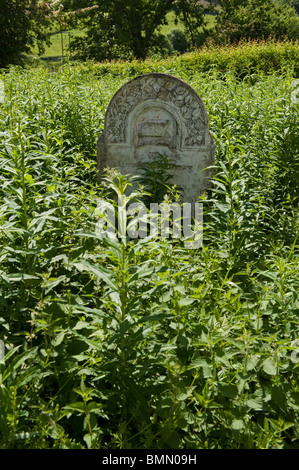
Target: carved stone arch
[162,120]
[165,89]
[159,114]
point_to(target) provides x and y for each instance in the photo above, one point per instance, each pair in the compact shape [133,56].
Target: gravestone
[159,114]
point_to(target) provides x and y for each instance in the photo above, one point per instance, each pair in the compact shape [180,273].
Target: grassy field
[148,344]
[166,29]
[60,40]
[59,44]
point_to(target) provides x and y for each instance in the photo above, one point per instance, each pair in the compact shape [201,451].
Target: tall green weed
[113,343]
[245,58]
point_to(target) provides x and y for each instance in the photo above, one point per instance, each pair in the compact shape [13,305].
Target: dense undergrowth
[147,344]
[243,59]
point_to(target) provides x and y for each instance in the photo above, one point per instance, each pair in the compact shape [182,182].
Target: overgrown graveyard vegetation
[143,343]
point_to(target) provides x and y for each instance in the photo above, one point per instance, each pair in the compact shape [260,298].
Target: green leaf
[90,311]
[29,179]
[205,364]
[90,438]
[269,366]
[76,406]
[28,375]
[80,325]
[228,390]
[251,362]
[16,363]
[59,338]
[185,302]
[222,207]
[53,282]
[85,266]
[21,277]
[141,273]
[158,317]
[238,424]
[256,403]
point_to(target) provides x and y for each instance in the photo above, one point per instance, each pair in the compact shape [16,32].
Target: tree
[256,19]
[22,22]
[130,28]
[192,14]
[295,4]
[122,28]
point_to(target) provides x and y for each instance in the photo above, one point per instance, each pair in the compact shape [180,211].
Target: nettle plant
[127,338]
[157,177]
[122,342]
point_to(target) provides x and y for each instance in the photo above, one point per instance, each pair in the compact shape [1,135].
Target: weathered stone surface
[159,114]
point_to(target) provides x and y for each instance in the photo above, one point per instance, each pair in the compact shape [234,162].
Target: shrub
[256,19]
[179,40]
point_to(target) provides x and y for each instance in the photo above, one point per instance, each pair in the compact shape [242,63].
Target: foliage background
[148,344]
[143,29]
[23,24]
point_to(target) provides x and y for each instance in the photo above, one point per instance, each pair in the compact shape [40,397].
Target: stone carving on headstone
[159,114]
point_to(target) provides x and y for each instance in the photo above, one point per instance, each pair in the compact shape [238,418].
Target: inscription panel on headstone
[159,114]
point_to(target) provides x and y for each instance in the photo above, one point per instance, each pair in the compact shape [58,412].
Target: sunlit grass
[59,44]
[166,29]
